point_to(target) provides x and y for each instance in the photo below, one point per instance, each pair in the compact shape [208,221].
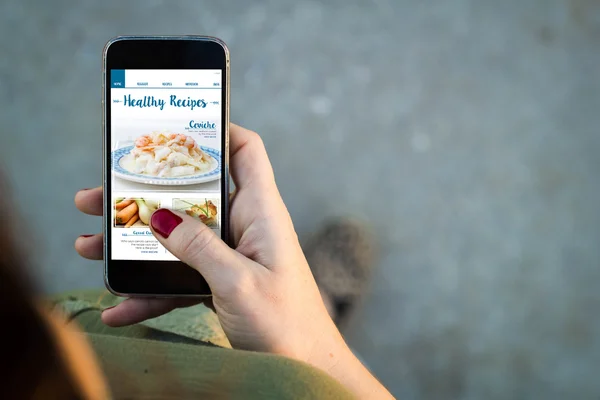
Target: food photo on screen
[133,213]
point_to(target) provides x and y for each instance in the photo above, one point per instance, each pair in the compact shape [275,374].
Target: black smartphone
[166,135]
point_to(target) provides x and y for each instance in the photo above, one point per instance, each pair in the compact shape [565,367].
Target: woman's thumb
[195,244]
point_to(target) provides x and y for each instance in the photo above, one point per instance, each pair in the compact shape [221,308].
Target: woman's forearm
[337,360]
[355,376]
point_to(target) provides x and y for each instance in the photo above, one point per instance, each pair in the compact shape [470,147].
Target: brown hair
[31,366]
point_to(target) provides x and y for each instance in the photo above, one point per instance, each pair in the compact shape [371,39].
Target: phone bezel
[137,278]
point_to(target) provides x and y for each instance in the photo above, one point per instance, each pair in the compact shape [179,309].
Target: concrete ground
[466,132]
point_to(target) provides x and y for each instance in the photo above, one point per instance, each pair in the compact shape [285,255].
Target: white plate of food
[166,159]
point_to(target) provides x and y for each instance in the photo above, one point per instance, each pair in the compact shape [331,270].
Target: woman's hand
[263,290]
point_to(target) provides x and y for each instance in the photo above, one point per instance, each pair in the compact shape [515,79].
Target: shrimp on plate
[168,155]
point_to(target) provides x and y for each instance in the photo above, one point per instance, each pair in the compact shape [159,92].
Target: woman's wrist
[351,373]
[335,358]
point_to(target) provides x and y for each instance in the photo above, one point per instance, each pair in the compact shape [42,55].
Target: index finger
[90,201]
[248,158]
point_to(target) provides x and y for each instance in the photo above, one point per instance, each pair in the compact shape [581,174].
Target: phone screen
[165,151]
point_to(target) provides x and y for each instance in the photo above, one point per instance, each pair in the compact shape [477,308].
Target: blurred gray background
[465,131]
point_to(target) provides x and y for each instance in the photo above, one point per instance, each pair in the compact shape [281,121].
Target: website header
[165,79]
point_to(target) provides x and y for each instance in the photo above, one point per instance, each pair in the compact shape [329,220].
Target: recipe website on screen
[165,130]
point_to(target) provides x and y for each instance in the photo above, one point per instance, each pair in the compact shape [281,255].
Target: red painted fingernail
[164,221]
[86,236]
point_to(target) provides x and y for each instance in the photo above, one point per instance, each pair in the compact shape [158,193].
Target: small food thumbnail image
[203,209]
[134,213]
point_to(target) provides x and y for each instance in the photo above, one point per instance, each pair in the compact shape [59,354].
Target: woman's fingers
[89,201]
[250,164]
[134,310]
[90,246]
